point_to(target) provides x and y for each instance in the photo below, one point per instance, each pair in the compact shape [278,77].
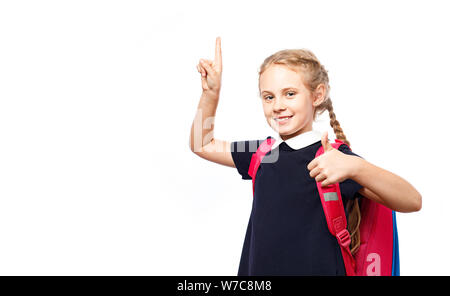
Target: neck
[301,131]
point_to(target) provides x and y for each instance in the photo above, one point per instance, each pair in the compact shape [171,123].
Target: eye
[290,92]
[267,98]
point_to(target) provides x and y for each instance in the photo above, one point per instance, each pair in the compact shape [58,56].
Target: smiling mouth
[282,118]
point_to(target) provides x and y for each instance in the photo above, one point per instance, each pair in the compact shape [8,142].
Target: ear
[319,95]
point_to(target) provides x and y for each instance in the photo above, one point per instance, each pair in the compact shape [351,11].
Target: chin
[284,131]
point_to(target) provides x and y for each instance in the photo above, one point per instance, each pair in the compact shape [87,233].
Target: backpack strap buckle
[344,238]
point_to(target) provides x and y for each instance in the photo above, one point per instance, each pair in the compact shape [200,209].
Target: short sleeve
[242,152]
[349,188]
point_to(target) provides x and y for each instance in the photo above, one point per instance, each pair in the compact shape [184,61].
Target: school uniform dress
[287,232]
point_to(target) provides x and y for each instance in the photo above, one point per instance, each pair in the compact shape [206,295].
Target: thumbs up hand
[332,166]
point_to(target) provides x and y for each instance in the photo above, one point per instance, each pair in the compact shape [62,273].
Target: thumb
[325,143]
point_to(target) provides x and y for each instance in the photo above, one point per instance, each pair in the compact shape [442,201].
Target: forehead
[277,77]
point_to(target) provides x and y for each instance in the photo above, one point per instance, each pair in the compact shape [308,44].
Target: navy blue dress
[287,232]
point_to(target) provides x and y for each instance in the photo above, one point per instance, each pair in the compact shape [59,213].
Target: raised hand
[211,71]
[332,166]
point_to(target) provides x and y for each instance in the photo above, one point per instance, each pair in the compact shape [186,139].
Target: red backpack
[378,252]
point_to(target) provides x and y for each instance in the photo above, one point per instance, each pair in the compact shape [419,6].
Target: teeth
[282,119]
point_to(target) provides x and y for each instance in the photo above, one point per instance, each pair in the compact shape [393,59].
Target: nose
[278,105]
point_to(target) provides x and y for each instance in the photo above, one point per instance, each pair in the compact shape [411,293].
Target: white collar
[299,141]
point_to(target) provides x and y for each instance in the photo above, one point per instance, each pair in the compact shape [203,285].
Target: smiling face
[287,102]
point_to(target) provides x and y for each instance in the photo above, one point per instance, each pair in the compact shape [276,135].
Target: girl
[287,232]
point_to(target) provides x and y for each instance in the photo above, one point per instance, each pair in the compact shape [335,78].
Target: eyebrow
[283,90]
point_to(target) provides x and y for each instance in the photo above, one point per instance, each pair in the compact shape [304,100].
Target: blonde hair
[314,75]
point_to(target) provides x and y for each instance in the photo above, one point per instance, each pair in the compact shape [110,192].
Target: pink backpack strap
[257,157]
[333,208]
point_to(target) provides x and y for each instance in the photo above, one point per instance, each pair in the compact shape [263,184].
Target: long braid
[335,124]
[354,214]
[354,219]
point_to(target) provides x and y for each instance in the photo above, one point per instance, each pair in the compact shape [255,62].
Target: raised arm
[202,141]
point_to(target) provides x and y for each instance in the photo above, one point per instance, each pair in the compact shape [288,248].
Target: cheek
[303,108]
[267,110]
[268,115]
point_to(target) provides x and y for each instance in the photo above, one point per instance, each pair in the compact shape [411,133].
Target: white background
[97,100]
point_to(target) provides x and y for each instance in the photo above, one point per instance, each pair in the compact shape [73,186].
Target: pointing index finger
[218,56]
